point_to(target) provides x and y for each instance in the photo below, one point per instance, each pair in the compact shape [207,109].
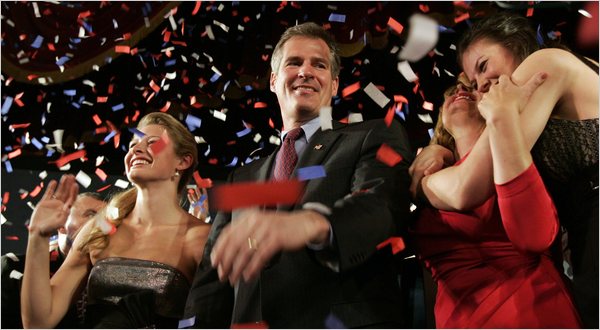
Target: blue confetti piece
[400,114]
[63,60]
[430,131]
[443,29]
[37,43]
[109,136]
[76,105]
[6,105]
[337,18]
[37,143]
[87,27]
[136,132]
[215,77]
[233,162]
[332,322]
[50,153]
[538,36]
[75,40]
[70,92]
[193,122]
[45,139]
[186,322]
[207,151]
[311,172]
[244,132]
[8,148]
[247,88]
[170,62]
[118,107]
[8,165]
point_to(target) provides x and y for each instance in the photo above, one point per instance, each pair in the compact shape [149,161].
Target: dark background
[242,56]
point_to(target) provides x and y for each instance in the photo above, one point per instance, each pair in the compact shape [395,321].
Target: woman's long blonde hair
[121,204]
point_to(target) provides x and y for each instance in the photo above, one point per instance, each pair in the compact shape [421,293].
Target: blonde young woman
[139,274]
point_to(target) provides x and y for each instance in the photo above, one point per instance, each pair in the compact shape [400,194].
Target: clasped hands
[246,245]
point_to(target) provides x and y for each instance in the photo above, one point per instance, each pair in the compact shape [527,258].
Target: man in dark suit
[314,264]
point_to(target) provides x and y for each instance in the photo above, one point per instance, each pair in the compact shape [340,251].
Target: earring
[175,175]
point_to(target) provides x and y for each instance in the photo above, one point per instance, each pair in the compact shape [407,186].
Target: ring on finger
[252,243]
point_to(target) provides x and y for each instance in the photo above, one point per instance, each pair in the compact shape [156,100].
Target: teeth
[462,97]
[140,162]
[305,88]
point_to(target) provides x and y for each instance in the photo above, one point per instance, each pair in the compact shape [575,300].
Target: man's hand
[246,245]
[430,160]
[52,211]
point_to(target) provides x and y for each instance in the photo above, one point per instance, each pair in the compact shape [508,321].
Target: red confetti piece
[196,8]
[100,173]
[253,325]
[24,195]
[62,161]
[240,195]
[351,89]
[122,49]
[397,244]
[101,99]
[388,156]
[530,9]
[159,145]
[461,17]
[395,25]
[389,116]
[5,197]
[136,115]
[35,191]
[12,238]
[104,188]
[15,153]
[51,47]
[166,107]
[200,182]
[97,119]
[167,36]
[424,8]
[15,126]
[400,98]
[53,255]
[260,105]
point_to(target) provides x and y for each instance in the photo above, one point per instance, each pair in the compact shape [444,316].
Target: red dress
[493,271]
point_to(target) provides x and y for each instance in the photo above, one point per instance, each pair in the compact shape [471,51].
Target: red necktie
[287,157]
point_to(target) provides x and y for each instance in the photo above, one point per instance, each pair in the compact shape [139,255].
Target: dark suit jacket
[369,202]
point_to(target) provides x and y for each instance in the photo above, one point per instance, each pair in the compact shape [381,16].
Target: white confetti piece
[422,38]
[83,179]
[219,115]
[376,95]
[407,72]
[426,118]
[11,255]
[325,118]
[355,118]
[121,183]
[16,274]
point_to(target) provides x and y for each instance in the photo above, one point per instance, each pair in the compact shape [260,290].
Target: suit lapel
[319,146]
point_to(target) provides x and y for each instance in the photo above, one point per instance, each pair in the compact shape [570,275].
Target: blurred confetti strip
[161,143]
[247,194]
[64,160]
[422,37]
[202,183]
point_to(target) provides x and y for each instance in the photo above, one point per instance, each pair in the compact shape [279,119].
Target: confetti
[241,195]
[311,172]
[376,95]
[121,183]
[62,161]
[397,27]
[350,89]
[407,72]
[160,144]
[423,35]
[388,156]
[83,179]
[397,244]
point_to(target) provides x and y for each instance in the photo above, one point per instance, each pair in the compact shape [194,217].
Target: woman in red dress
[492,263]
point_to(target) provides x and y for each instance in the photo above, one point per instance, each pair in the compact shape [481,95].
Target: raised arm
[469,184]
[528,213]
[43,301]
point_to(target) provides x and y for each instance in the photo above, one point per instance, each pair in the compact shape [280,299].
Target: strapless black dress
[134,293]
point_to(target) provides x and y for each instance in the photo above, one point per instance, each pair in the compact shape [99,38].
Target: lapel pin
[318,146]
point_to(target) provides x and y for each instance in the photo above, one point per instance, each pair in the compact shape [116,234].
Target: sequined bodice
[115,277]
[567,149]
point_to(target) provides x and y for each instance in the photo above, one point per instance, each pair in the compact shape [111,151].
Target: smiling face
[84,209]
[484,61]
[460,108]
[303,81]
[143,164]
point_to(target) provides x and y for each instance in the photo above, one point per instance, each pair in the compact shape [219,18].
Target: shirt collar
[309,128]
